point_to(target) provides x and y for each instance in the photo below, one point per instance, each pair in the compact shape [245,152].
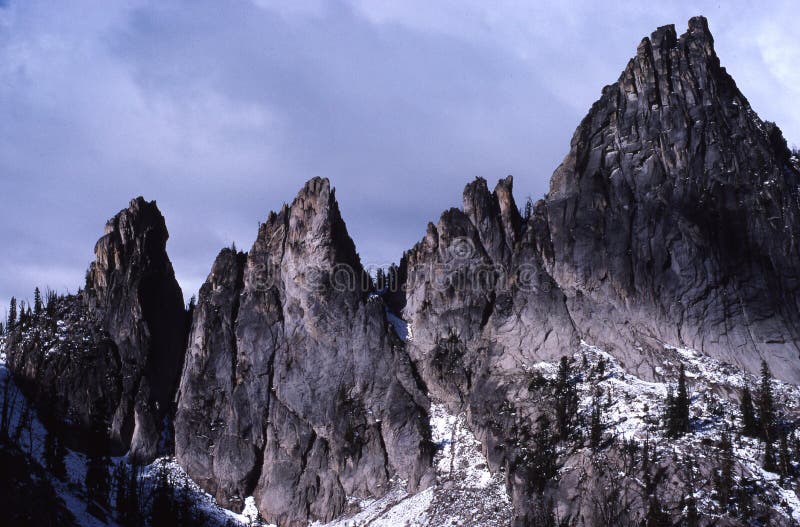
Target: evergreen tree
[766,418]
[528,212]
[12,314]
[723,477]
[163,512]
[542,457]
[750,426]
[691,517]
[54,454]
[785,468]
[656,516]
[596,422]
[566,402]
[120,490]
[766,405]
[677,408]
[126,504]
[37,302]
[745,491]
[97,465]
[380,280]
[601,368]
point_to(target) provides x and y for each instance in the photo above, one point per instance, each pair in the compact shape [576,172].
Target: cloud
[222,114]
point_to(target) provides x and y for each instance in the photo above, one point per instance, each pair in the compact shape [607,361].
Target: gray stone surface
[295,390]
[675,214]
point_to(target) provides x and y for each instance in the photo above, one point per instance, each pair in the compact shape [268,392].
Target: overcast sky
[220,111]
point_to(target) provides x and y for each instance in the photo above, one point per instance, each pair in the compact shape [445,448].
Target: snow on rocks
[465,492]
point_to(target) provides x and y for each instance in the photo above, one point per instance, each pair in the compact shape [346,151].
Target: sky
[220,111]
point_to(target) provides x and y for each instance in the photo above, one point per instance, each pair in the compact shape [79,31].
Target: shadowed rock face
[294,389]
[131,322]
[675,214]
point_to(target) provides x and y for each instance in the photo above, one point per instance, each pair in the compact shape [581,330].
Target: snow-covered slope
[467,493]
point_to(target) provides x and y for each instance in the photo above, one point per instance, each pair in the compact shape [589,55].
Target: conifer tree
[596,422]
[785,468]
[12,314]
[677,408]
[54,454]
[750,426]
[723,477]
[691,517]
[766,405]
[566,396]
[766,418]
[37,302]
[542,464]
[163,512]
[97,468]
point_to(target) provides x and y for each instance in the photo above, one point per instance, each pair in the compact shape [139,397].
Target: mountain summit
[674,217]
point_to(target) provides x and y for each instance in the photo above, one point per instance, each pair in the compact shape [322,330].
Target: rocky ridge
[295,389]
[117,366]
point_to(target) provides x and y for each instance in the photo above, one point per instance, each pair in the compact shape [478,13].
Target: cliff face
[675,214]
[126,338]
[294,388]
[672,221]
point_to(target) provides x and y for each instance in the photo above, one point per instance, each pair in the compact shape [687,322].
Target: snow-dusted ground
[72,490]
[634,408]
[467,493]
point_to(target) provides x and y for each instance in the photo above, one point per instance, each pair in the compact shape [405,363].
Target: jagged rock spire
[132,322]
[295,390]
[674,215]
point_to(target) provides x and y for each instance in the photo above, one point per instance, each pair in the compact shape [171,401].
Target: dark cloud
[222,114]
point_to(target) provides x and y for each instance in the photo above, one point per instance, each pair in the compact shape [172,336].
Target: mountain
[296,390]
[110,356]
[671,222]
[673,218]
[622,352]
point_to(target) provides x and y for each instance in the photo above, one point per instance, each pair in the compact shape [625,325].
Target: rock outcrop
[672,220]
[674,216]
[118,362]
[295,389]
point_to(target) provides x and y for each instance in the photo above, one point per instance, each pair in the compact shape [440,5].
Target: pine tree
[380,280]
[601,368]
[12,314]
[677,408]
[163,512]
[689,500]
[566,396]
[528,212]
[121,479]
[126,504]
[750,426]
[54,454]
[656,516]
[785,468]
[37,302]
[596,422]
[542,466]
[766,405]
[97,465]
[723,477]
[766,418]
